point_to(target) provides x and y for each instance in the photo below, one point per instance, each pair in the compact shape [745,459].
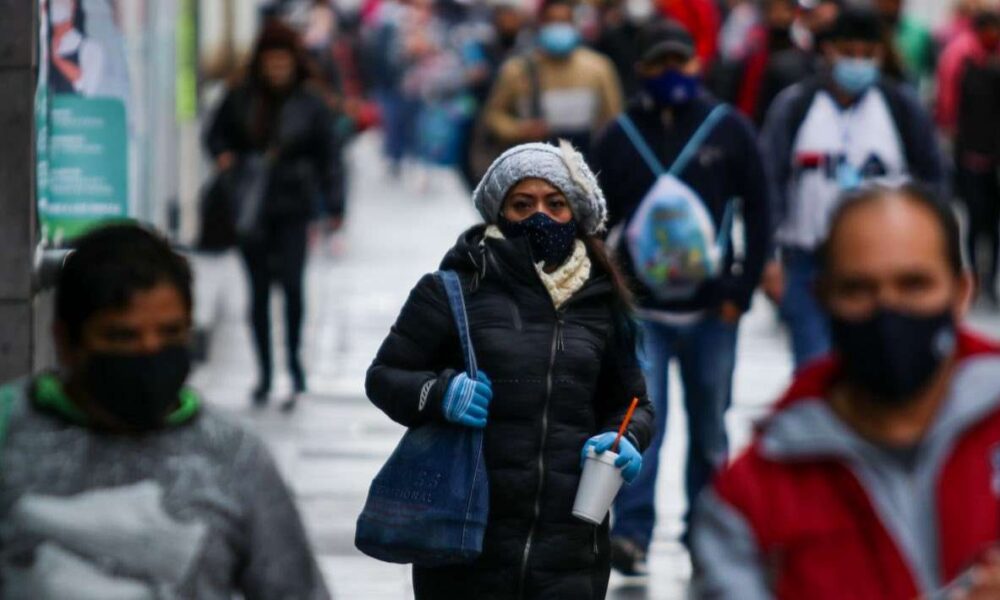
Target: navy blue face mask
[893,355]
[551,242]
[672,88]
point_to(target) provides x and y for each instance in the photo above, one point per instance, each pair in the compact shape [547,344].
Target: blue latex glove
[629,460]
[467,402]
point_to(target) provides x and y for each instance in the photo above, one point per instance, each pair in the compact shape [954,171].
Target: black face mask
[551,242]
[138,389]
[894,355]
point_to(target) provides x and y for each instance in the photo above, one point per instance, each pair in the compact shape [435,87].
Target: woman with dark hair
[273,136]
[549,321]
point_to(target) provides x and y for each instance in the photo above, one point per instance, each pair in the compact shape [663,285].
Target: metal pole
[18,226]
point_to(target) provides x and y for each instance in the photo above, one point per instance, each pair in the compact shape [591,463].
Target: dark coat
[977,138]
[559,377]
[304,180]
[728,167]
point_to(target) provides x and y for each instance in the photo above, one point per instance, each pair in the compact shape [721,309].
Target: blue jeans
[807,322]
[398,124]
[706,351]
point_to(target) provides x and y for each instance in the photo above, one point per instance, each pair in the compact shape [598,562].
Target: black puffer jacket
[559,377]
[305,178]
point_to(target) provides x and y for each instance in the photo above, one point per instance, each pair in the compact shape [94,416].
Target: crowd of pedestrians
[793,119]
[641,169]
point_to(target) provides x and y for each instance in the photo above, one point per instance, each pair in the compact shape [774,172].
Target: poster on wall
[82,119]
[186,45]
[42,114]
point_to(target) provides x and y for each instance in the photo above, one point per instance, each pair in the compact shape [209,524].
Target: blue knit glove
[467,402]
[629,460]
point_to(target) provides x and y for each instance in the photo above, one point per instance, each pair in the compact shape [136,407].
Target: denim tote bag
[430,502]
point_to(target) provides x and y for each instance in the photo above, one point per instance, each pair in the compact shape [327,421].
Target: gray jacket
[197,510]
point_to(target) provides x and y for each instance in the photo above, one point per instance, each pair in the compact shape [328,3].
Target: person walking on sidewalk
[116,481]
[274,136]
[969,113]
[827,135]
[876,475]
[669,223]
[559,90]
[548,316]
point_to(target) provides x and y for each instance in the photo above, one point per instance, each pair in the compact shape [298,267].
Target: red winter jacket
[812,510]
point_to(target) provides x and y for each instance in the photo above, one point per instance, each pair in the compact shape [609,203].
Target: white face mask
[60,11]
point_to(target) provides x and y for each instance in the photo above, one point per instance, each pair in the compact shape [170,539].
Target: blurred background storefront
[165,62]
[146,69]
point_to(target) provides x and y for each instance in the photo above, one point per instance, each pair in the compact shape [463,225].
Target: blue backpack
[430,502]
[671,238]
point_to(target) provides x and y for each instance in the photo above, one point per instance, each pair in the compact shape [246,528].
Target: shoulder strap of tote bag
[694,144]
[535,84]
[456,300]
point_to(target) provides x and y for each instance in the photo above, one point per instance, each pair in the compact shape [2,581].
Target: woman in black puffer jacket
[555,340]
[277,118]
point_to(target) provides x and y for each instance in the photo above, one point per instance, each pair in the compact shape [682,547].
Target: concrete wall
[18,30]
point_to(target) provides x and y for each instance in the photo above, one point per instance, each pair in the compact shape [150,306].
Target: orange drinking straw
[625,422]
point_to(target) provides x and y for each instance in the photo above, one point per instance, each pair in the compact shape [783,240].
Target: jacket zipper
[556,343]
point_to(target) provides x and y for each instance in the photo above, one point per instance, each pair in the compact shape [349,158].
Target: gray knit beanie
[561,165]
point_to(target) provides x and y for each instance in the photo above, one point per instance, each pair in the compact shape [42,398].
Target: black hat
[856,24]
[664,38]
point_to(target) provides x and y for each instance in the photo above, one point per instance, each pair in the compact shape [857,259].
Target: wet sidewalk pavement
[332,445]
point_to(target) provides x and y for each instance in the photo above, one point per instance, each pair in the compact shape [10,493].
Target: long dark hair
[278,36]
[627,332]
[274,36]
[598,252]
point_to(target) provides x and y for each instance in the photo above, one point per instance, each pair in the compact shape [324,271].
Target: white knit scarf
[565,281]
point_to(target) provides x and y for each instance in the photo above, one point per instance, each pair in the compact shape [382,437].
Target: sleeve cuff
[430,403]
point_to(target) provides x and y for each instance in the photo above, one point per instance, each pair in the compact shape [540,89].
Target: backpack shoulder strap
[640,144]
[456,300]
[901,119]
[799,109]
[535,85]
[694,144]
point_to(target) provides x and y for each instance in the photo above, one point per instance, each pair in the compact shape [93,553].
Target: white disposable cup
[599,485]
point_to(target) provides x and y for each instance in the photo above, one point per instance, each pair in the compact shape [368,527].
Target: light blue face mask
[558,39]
[855,75]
